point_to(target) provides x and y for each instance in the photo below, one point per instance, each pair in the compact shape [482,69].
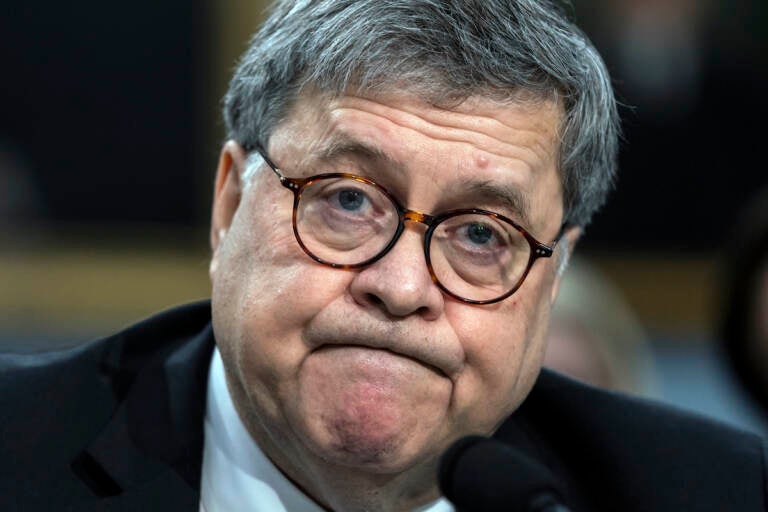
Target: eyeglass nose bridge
[417,216]
[412,216]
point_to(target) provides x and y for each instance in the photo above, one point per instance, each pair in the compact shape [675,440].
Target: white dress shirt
[236,475]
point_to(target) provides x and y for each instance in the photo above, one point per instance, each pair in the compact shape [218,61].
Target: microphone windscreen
[481,474]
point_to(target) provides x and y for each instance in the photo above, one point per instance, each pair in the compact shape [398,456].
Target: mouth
[442,353]
[330,347]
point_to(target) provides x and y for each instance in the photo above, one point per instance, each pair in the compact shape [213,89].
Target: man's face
[376,369]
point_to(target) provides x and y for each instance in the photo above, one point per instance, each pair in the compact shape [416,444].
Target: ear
[226,196]
[568,244]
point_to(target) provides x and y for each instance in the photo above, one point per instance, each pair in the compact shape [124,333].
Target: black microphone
[479,474]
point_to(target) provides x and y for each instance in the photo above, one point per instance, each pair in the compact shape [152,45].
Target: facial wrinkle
[341,144]
[475,139]
[486,132]
[512,198]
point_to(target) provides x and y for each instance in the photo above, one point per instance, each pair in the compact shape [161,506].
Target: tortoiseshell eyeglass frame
[297,185]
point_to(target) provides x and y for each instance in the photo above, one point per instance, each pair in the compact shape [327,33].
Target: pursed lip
[445,358]
[334,346]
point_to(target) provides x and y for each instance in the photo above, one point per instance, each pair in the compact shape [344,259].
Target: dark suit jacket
[118,425]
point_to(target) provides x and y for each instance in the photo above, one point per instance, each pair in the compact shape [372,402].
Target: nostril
[373,299]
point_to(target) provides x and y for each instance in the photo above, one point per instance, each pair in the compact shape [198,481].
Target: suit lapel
[153,443]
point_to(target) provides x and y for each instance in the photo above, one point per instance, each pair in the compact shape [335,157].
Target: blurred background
[110,131]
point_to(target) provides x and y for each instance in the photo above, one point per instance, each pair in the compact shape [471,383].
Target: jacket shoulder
[629,450]
[53,403]
[126,351]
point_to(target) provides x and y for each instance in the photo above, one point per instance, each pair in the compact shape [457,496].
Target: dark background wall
[100,106]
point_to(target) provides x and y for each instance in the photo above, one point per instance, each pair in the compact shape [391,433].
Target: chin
[365,448]
[358,445]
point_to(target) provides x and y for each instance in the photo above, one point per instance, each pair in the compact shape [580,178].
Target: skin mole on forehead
[482,160]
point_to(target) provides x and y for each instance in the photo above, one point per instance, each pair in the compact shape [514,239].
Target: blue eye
[479,233]
[351,199]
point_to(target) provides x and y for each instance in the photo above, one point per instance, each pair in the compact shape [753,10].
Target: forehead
[524,120]
[508,149]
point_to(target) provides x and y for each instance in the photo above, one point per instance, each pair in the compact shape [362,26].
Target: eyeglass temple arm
[269,162]
[547,250]
[563,228]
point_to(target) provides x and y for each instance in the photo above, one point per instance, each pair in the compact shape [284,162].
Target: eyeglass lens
[347,222]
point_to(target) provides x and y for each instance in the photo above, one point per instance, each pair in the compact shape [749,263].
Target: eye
[343,197]
[347,199]
[478,233]
[476,239]
[350,199]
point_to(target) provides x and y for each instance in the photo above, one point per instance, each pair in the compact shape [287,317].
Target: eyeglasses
[346,221]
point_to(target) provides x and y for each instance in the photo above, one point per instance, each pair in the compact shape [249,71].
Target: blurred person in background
[401,187]
[595,336]
[743,312]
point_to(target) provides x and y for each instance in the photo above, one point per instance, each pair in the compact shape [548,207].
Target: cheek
[504,347]
[262,266]
[265,290]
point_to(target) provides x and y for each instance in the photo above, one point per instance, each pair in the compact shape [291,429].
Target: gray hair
[444,51]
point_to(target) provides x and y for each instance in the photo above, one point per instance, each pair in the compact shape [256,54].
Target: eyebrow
[509,197]
[344,145]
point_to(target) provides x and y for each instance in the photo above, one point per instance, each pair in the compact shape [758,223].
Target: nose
[400,283]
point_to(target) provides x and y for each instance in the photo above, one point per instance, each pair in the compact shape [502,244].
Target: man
[401,187]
